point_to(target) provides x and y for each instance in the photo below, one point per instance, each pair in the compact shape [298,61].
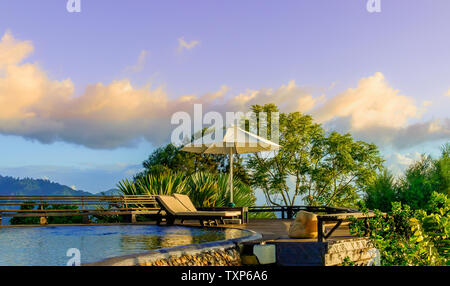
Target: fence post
[319,230]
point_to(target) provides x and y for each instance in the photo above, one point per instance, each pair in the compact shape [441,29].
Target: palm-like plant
[154,184]
[204,189]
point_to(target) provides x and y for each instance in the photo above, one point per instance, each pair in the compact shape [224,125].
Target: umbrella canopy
[234,141]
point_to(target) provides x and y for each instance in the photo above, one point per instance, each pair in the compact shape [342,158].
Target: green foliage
[415,188]
[419,182]
[327,169]
[347,262]
[26,220]
[171,158]
[406,237]
[382,192]
[163,183]
[51,219]
[204,189]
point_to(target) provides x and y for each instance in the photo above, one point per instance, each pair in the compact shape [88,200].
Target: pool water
[49,245]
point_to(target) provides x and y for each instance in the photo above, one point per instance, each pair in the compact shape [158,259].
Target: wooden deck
[277,229]
[306,252]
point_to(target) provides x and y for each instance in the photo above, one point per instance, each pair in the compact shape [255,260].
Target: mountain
[109,192]
[29,186]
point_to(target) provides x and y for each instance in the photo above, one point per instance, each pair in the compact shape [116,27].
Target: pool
[36,246]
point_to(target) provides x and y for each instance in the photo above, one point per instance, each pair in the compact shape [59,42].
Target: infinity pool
[49,245]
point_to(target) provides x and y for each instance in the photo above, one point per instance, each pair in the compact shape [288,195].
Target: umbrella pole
[231,178]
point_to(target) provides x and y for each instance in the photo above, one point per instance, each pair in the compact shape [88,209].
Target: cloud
[182,44]
[376,112]
[448,93]
[104,116]
[117,114]
[397,163]
[373,103]
[12,51]
[288,98]
[139,66]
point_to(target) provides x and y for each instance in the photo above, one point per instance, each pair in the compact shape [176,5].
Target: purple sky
[326,47]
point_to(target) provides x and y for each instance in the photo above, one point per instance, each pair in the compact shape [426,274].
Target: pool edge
[194,249]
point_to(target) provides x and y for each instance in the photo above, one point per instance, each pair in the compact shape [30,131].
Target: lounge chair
[183,209]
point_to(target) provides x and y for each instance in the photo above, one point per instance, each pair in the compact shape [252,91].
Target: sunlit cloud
[376,112]
[187,45]
[117,114]
[139,66]
[397,163]
[373,103]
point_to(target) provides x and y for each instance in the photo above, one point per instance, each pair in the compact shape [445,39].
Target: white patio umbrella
[234,141]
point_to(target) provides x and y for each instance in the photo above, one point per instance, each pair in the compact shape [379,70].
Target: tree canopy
[318,167]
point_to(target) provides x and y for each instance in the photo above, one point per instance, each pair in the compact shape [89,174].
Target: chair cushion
[211,213]
[186,201]
[171,204]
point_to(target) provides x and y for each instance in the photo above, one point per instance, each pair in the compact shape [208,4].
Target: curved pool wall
[113,243]
[216,253]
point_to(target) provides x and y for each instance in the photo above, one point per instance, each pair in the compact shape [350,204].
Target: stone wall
[219,257]
[219,253]
[359,251]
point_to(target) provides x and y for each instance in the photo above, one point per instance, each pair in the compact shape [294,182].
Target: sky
[86,97]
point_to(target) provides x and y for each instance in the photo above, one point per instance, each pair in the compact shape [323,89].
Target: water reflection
[48,245]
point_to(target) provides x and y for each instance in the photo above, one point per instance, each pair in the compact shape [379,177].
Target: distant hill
[110,192]
[29,186]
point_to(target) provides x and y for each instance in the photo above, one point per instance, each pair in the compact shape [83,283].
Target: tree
[172,158]
[414,188]
[421,179]
[324,169]
[382,192]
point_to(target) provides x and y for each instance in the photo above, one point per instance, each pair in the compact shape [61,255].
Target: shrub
[406,237]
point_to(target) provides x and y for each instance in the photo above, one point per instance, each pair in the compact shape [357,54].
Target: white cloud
[288,97]
[398,163]
[183,44]
[376,112]
[373,103]
[119,114]
[139,66]
[448,93]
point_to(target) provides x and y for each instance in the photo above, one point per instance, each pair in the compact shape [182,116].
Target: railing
[10,206]
[288,212]
[147,204]
[325,214]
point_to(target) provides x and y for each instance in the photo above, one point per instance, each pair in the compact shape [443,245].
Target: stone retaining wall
[219,257]
[218,253]
[359,251]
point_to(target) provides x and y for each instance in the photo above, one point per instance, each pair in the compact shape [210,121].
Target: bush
[406,237]
[51,219]
[415,187]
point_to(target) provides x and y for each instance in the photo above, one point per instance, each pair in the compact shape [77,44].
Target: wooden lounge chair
[175,209]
